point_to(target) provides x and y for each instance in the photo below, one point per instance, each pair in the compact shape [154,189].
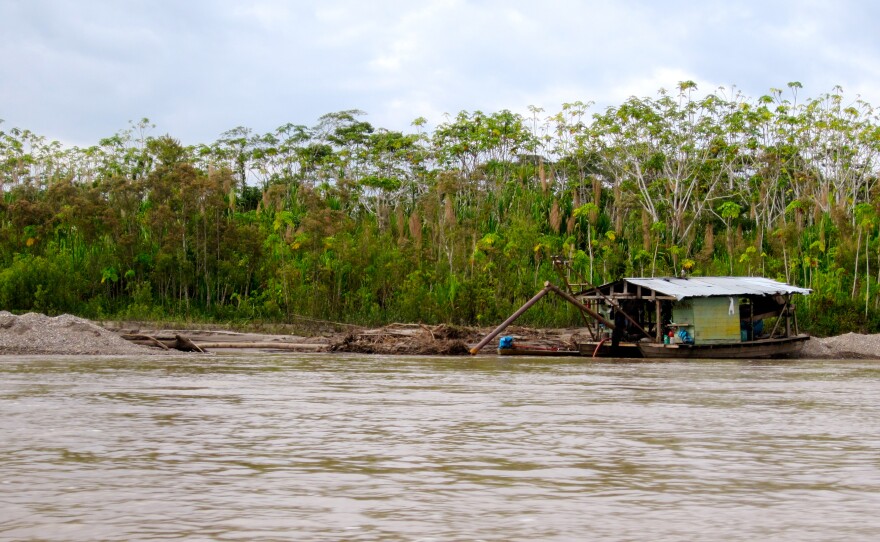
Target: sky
[78,71]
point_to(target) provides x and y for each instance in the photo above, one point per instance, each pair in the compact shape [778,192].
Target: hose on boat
[598,346]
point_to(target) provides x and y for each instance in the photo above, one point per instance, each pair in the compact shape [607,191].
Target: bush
[39,284]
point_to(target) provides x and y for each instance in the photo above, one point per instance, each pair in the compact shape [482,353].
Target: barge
[695,317]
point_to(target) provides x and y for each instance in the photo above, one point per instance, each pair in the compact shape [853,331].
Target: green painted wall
[683,313]
[710,319]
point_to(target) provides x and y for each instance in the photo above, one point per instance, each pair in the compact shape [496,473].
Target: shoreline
[37,334]
[420,339]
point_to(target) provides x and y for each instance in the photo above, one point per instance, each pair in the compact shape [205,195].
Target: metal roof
[682,288]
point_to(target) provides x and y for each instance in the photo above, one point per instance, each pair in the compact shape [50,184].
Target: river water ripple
[325,447]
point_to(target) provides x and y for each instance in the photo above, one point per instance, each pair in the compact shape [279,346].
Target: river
[346,447]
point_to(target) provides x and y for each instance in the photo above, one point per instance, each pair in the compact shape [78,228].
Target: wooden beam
[652,297]
[764,315]
[782,314]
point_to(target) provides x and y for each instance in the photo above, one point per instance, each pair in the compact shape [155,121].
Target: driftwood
[186,345]
[400,338]
[395,330]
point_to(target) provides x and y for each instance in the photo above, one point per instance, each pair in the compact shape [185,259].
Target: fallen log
[146,340]
[178,343]
[165,345]
[186,345]
[274,345]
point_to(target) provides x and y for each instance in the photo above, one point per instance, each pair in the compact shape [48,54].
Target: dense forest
[347,222]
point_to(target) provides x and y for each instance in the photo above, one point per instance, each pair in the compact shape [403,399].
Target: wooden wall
[710,319]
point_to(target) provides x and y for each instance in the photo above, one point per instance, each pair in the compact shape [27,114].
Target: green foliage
[40,284]
[348,222]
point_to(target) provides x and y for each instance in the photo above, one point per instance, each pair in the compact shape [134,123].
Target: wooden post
[788,317]
[751,331]
[659,332]
[514,316]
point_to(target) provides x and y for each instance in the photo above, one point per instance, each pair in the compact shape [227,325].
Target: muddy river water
[327,447]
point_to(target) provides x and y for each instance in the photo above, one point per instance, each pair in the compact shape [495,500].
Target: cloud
[79,71]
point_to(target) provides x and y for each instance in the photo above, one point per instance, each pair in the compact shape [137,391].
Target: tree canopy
[349,222]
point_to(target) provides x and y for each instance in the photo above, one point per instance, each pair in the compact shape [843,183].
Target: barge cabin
[694,317]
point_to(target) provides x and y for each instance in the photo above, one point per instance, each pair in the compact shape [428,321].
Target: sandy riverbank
[388,340]
[34,333]
[39,334]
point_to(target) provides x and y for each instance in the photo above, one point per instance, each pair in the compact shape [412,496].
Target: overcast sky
[80,70]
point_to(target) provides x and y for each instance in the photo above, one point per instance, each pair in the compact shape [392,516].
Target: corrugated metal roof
[716,286]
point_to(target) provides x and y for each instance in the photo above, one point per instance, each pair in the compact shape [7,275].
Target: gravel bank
[846,346]
[34,333]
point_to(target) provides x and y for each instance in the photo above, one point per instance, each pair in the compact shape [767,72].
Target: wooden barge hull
[536,351]
[603,349]
[762,348]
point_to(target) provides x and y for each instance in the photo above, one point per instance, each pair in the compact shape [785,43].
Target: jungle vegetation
[348,222]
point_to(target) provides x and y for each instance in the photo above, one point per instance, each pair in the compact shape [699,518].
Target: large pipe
[514,316]
[571,299]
